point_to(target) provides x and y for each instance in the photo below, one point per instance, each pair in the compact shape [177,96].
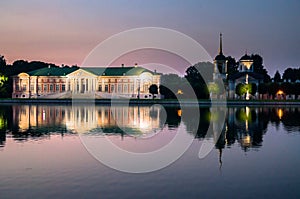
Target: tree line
[18,66]
[172,86]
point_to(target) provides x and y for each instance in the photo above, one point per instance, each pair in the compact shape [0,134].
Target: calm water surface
[256,155]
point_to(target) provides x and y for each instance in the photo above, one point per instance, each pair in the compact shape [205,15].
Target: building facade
[65,82]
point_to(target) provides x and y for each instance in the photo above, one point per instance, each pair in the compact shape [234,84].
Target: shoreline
[154,101]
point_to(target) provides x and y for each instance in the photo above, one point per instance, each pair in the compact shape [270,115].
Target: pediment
[82,74]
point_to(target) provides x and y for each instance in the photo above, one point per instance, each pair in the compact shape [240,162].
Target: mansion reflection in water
[243,125]
[82,119]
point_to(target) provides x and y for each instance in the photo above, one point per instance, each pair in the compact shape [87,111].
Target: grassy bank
[152,101]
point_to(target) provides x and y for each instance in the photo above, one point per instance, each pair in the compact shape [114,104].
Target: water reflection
[245,126]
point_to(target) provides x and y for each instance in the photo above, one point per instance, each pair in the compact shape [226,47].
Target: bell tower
[220,62]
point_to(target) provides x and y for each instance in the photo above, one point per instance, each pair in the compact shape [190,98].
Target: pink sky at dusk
[64,32]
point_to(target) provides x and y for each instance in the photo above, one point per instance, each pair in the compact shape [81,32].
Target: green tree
[232,66]
[277,77]
[4,85]
[262,88]
[287,88]
[2,61]
[252,89]
[259,67]
[194,77]
[166,92]
[2,64]
[153,89]
[240,89]
[273,88]
[291,74]
[213,88]
[170,84]
[296,89]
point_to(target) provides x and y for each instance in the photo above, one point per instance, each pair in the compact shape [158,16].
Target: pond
[56,151]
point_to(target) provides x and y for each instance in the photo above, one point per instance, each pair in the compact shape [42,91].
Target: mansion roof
[99,71]
[52,71]
[117,71]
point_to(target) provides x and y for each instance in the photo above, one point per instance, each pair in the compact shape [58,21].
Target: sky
[66,31]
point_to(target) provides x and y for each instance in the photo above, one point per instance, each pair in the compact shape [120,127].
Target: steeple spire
[220,48]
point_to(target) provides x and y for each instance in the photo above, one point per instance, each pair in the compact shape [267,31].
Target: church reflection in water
[244,126]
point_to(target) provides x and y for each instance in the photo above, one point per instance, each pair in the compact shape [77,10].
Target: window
[125,88]
[131,88]
[57,87]
[17,87]
[112,88]
[120,88]
[51,87]
[24,87]
[106,88]
[100,88]
[63,87]
[45,88]
[31,87]
[39,87]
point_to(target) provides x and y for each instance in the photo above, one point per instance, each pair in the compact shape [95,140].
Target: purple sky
[65,31]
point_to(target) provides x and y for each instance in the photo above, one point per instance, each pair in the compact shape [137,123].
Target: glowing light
[280,113]
[179,112]
[179,92]
[280,92]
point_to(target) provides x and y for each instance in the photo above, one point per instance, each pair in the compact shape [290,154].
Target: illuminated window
[45,88]
[112,88]
[24,87]
[125,88]
[57,87]
[131,88]
[120,88]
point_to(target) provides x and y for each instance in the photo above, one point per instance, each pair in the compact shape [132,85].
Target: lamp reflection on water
[280,113]
[246,142]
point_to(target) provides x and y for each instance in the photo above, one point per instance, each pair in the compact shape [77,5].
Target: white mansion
[102,82]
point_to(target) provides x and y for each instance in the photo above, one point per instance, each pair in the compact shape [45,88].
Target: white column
[67,85]
[80,84]
[103,85]
[90,85]
[86,85]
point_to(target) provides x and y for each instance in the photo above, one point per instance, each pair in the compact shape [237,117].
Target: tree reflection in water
[245,126]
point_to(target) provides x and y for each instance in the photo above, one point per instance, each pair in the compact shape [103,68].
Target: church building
[245,74]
